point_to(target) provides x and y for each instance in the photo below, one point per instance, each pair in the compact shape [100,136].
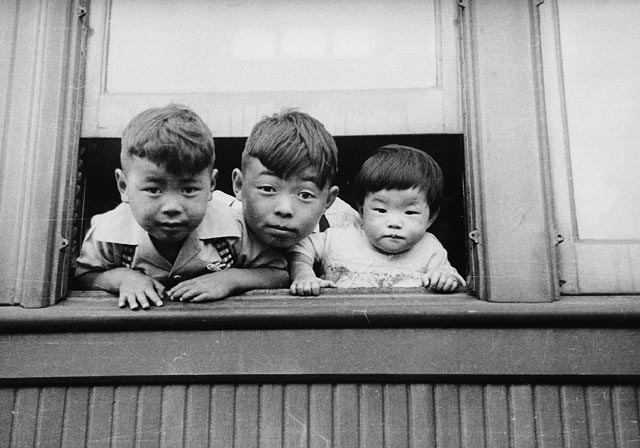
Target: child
[286,178]
[398,190]
[167,233]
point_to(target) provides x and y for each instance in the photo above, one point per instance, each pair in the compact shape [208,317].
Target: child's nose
[394,221]
[172,205]
[283,206]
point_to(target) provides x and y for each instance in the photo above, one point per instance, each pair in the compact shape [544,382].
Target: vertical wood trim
[574,417]
[100,419]
[503,134]
[271,415]
[198,416]
[523,434]
[497,417]
[625,411]
[320,416]
[600,414]
[373,414]
[7,404]
[447,410]
[125,411]
[149,416]
[173,424]
[477,255]
[39,150]
[346,416]
[421,416]
[546,402]
[50,417]
[247,416]
[296,415]
[222,416]
[472,417]
[76,413]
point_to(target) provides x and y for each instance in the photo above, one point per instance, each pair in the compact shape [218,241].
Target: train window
[100,157]
[385,73]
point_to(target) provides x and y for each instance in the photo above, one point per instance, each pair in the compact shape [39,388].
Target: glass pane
[271,45]
[600,42]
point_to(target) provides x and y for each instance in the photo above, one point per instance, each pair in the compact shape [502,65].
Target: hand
[442,280]
[213,286]
[138,289]
[309,286]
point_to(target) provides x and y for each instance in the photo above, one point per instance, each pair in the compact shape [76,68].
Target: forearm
[106,280]
[245,279]
[300,266]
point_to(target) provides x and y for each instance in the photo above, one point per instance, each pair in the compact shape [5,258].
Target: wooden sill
[412,308]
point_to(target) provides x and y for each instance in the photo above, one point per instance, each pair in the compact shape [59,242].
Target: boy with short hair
[168,233]
[286,180]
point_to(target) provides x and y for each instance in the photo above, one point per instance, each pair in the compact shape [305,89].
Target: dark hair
[173,137]
[397,167]
[290,142]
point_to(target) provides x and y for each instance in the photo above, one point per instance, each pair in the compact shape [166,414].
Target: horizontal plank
[331,354]
[364,308]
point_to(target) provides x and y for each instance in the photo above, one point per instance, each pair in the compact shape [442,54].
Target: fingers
[310,287]
[443,281]
[139,299]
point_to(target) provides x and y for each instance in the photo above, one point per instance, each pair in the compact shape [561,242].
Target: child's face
[395,220]
[167,206]
[281,212]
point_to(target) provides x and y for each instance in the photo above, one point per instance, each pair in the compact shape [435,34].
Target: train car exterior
[541,351]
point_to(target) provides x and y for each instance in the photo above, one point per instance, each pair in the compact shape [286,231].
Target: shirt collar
[120,227]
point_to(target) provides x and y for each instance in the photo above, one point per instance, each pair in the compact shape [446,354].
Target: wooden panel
[320,415]
[467,415]
[125,411]
[173,416]
[512,213]
[41,73]
[223,417]
[100,418]
[296,415]
[50,417]
[600,415]
[246,417]
[472,417]
[548,413]
[374,353]
[498,420]
[198,410]
[372,423]
[447,421]
[76,413]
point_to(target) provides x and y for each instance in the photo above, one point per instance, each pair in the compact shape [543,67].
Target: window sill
[339,336]
[97,311]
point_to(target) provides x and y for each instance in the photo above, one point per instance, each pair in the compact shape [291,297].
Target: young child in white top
[398,192]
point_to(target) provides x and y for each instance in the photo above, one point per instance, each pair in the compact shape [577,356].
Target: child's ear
[214,177]
[331,197]
[432,218]
[121,182]
[236,181]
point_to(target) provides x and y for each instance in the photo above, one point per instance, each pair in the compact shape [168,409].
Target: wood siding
[321,415]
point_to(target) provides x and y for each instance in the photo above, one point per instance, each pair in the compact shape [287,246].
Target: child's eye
[411,212]
[379,210]
[306,195]
[190,190]
[152,190]
[266,188]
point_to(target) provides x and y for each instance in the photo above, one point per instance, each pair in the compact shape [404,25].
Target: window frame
[514,255]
